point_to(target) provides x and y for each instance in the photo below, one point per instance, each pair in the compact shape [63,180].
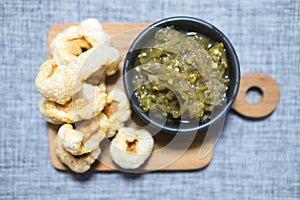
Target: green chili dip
[181,74]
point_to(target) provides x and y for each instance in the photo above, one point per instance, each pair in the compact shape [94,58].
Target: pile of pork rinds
[73,85]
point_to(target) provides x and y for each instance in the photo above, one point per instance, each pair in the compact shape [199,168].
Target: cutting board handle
[270,95]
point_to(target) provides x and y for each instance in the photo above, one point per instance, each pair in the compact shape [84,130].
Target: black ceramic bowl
[145,39]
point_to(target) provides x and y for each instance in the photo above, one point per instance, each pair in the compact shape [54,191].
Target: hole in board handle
[254,95]
[268,101]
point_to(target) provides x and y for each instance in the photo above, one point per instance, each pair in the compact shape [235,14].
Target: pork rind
[47,117]
[56,82]
[118,110]
[130,148]
[78,52]
[59,83]
[73,86]
[79,164]
[85,138]
[86,104]
[72,140]
[75,40]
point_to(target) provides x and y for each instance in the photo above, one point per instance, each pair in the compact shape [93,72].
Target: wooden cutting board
[187,152]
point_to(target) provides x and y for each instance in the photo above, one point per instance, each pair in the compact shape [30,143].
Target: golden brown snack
[79,164]
[79,148]
[74,90]
[72,140]
[75,40]
[47,117]
[56,82]
[118,111]
[59,83]
[131,148]
[83,139]
[100,122]
[86,104]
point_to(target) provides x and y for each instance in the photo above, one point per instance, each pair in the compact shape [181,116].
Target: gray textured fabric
[254,159]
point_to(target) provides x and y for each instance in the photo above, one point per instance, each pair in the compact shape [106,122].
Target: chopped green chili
[182,74]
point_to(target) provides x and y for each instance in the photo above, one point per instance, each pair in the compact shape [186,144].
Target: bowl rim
[229,101]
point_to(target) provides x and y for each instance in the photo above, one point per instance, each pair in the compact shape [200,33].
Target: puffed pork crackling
[72,84]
